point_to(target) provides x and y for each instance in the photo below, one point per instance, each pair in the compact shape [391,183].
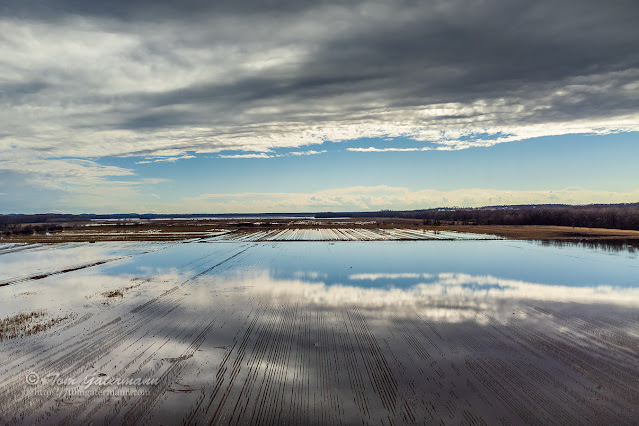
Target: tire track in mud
[379,372]
[76,358]
[168,336]
[299,396]
[494,384]
[67,269]
[268,401]
[235,370]
[328,378]
[184,336]
[134,414]
[426,334]
[40,276]
[274,384]
[172,290]
[13,248]
[356,381]
[410,338]
[535,397]
[269,359]
[621,380]
[500,377]
[73,357]
[102,333]
[561,359]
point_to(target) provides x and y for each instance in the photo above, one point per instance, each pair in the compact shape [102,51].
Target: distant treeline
[61,218]
[8,230]
[15,219]
[613,216]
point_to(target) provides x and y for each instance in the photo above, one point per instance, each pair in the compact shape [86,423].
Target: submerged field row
[346,234]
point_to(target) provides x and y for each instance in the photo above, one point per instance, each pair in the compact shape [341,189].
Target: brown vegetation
[26,324]
[537,232]
[181,230]
[515,222]
[113,293]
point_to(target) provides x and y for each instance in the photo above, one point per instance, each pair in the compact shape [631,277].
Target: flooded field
[346,234]
[247,329]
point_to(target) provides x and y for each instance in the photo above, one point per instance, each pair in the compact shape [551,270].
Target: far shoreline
[178,230]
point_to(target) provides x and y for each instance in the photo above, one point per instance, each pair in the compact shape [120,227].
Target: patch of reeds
[26,324]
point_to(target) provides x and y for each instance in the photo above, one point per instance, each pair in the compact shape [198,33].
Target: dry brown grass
[539,232]
[113,293]
[26,324]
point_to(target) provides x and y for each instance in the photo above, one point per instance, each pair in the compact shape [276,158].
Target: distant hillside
[612,216]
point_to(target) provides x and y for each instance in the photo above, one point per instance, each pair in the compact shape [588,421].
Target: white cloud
[90,186]
[363,198]
[387,276]
[78,183]
[260,155]
[448,297]
[60,173]
[372,149]
[165,160]
[265,155]
[303,153]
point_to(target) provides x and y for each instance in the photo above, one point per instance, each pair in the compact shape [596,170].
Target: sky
[302,106]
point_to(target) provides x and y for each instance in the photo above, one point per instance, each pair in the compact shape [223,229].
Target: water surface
[326,332]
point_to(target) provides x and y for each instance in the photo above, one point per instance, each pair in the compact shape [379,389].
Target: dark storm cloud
[158,9]
[199,75]
[157,120]
[13,90]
